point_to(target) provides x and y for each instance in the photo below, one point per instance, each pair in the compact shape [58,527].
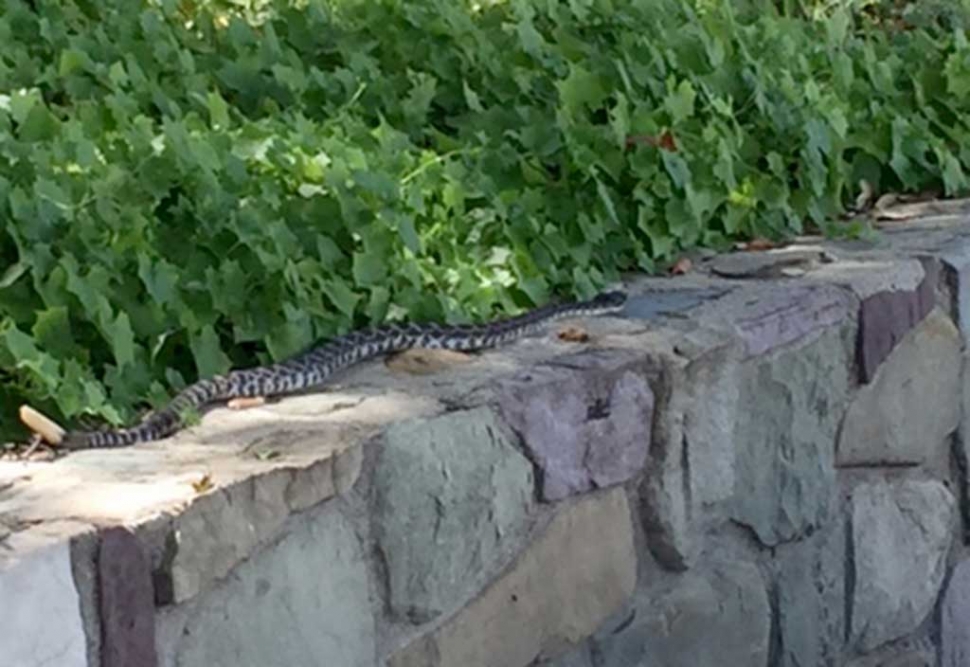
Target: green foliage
[191,185]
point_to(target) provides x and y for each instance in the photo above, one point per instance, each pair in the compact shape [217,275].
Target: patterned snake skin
[312,368]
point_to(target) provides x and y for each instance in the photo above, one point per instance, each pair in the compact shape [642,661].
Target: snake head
[609,301]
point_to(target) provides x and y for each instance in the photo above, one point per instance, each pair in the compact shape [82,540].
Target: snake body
[312,368]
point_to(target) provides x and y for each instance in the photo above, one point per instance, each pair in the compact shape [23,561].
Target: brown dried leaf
[203,484]
[421,361]
[758,245]
[681,266]
[664,141]
[245,402]
[573,335]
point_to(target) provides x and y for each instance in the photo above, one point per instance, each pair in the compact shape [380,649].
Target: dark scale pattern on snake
[312,368]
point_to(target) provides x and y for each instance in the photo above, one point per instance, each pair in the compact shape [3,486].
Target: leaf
[607,201]
[203,484]
[52,331]
[26,355]
[207,351]
[682,266]
[664,141]
[580,89]
[341,296]
[160,279]
[72,61]
[418,101]
[13,273]
[368,269]
[122,340]
[295,335]
[218,110]
[680,101]
[573,335]
[471,98]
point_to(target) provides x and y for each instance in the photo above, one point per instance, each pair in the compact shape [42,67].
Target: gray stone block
[779,317]
[40,620]
[127,601]
[585,421]
[693,464]
[810,589]
[301,602]
[789,408]
[912,404]
[715,615]
[453,498]
[886,316]
[578,572]
[901,533]
[955,618]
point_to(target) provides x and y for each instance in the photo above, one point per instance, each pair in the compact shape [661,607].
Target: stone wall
[760,463]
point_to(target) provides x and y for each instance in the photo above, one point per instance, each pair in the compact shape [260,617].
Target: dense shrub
[186,186]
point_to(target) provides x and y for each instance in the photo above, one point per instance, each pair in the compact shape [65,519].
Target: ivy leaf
[680,101]
[341,296]
[207,351]
[218,110]
[13,273]
[580,89]
[294,336]
[160,279]
[122,340]
[52,331]
[471,98]
[26,355]
[369,268]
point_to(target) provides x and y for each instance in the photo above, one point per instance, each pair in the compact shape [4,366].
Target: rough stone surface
[955,618]
[303,600]
[579,657]
[453,498]
[957,259]
[40,620]
[776,263]
[788,414]
[898,656]
[84,558]
[912,403]
[711,392]
[222,528]
[810,589]
[563,586]
[127,601]
[716,615]
[693,455]
[901,532]
[779,317]
[885,317]
[656,303]
[961,444]
[585,422]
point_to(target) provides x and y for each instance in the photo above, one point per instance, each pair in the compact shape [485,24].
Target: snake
[311,369]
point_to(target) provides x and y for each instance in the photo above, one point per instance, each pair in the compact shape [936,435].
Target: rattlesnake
[312,368]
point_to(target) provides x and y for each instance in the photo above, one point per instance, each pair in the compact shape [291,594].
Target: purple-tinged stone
[885,317]
[127,601]
[585,422]
[781,317]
